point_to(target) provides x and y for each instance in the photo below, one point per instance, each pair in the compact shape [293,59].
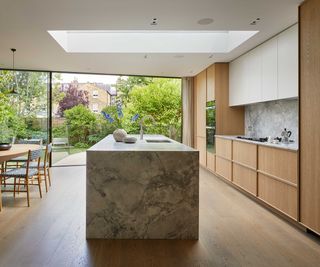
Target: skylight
[150,41]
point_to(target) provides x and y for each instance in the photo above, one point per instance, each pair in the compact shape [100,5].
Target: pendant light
[13,90]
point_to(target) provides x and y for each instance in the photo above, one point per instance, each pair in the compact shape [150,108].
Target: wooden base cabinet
[245,178]
[268,173]
[211,161]
[224,168]
[279,195]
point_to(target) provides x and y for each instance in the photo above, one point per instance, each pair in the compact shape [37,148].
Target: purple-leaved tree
[73,97]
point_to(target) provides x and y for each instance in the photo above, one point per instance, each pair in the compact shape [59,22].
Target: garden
[25,114]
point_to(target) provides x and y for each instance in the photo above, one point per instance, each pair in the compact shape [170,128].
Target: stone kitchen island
[146,190]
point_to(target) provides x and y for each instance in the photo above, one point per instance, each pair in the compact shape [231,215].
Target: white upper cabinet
[288,63]
[253,76]
[269,67]
[268,72]
[237,85]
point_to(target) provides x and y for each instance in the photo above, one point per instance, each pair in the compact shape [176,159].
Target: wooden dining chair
[18,161]
[44,166]
[25,174]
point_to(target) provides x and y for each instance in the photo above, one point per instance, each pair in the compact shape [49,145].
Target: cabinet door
[237,82]
[252,92]
[211,161]
[269,58]
[288,63]
[211,83]
[201,98]
[201,146]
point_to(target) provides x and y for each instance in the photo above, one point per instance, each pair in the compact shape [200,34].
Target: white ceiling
[24,25]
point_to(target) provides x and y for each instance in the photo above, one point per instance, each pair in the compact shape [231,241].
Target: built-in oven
[210,125]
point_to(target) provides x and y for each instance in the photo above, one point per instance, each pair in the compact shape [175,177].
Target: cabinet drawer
[223,148]
[245,178]
[211,161]
[279,163]
[223,167]
[245,153]
[280,195]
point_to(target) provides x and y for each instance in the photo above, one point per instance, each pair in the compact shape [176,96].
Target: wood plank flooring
[234,231]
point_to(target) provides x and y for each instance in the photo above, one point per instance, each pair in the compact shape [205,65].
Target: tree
[10,123]
[162,100]
[81,123]
[125,85]
[73,97]
[57,94]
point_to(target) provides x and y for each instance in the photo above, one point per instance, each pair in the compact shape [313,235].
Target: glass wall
[85,109]
[25,114]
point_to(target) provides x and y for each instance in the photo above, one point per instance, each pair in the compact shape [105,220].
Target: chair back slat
[35,154]
[30,142]
[47,154]
[49,146]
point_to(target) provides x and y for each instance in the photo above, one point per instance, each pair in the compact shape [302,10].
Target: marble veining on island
[142,191]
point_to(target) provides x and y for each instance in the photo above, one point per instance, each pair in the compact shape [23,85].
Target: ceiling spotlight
[205,21]
[154,22]
[254,22]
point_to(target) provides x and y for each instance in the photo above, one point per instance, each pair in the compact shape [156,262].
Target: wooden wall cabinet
[200,96]
[229,120]
[309,21]
[200,103]
[213,84]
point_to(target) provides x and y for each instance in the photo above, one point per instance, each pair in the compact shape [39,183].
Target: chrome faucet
[142,124]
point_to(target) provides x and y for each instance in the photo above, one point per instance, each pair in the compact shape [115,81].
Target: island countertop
[109,144]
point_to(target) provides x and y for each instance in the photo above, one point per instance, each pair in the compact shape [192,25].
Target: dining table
[16,150]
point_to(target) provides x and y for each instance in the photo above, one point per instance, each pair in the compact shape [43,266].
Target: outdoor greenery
[25,115]
[21,115]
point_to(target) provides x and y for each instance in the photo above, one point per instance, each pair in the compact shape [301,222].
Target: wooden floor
[234,231]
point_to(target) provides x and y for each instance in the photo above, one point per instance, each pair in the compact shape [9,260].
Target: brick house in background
[99,95]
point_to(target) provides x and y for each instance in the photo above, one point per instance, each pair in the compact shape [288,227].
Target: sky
[83,78]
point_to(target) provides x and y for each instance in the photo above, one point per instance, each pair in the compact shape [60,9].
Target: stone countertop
[109,144]
[291,146]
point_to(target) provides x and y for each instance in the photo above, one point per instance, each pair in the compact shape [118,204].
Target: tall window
[24,115]
[95,94]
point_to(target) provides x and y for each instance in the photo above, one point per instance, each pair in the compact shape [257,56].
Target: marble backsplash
[270,118]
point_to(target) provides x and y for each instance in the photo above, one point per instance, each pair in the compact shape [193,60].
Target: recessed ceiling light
[205,21]
[254,22]
[154,22]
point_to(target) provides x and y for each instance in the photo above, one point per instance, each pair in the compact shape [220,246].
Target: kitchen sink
[157,141]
